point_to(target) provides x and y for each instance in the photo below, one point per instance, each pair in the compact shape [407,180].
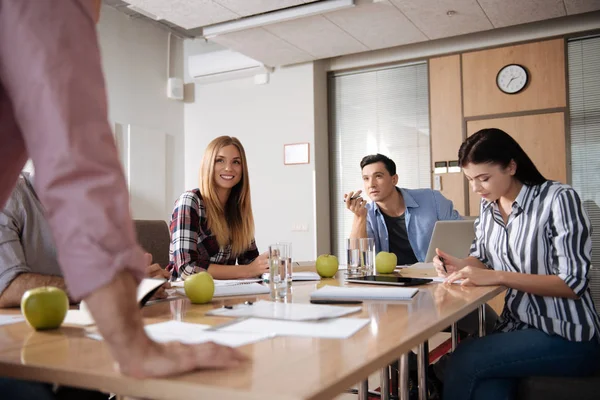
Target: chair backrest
[154,237]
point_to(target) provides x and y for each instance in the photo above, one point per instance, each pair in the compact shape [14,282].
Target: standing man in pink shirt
[53,109]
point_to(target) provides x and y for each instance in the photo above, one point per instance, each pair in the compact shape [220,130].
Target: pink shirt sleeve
[51,74]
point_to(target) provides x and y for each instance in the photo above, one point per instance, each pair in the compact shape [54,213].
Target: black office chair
[154,237]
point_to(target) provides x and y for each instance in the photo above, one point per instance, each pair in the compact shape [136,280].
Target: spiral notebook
[363,293]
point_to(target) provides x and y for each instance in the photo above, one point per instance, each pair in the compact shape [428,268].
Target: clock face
[512,78]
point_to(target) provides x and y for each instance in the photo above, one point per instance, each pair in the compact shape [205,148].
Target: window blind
[584,104]
[376,111]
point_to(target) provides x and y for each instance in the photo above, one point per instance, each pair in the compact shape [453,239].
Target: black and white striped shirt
[548,233]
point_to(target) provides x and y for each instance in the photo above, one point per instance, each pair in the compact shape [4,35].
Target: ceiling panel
[252,7]
[581,6]
[514,12]
[263,46]
[431,17]
[188,14]
[377,25]
[317,36]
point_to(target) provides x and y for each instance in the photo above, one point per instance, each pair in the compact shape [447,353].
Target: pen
[443,264]
[336,301]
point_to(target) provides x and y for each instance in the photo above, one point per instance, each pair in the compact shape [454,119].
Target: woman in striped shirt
[534,237]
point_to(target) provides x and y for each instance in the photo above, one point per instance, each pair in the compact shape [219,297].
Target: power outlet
[300,228]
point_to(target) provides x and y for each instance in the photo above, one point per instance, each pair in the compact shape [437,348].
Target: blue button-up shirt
[423,208]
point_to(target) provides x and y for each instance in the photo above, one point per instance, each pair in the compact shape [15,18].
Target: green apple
[385,263]
[327,265]
[199,288]
[45,307]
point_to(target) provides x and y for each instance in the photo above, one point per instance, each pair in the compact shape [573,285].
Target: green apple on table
[327,265]
[45,307]
[385,263]
[199,288]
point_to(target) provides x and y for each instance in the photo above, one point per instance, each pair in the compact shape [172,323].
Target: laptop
[453,237]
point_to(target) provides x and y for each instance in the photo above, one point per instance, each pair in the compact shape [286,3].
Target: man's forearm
[119,320]
[11,296]
[359,228]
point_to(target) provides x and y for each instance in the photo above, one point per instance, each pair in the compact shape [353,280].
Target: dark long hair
[494,146]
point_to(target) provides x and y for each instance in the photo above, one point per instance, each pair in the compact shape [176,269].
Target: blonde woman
[212,227]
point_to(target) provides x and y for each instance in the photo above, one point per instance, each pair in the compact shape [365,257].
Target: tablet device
[389,280]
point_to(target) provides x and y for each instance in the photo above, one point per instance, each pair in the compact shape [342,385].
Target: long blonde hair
[234,223]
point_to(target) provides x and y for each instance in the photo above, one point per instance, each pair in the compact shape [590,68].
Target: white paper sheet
[189,333]
[286,311]
[11,319]
[338,328]
[363,293]
[79,318]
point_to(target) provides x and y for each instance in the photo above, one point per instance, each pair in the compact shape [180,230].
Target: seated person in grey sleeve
[401,221]
[27,252]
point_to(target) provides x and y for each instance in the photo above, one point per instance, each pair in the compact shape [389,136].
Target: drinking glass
[289,261]
[278,260]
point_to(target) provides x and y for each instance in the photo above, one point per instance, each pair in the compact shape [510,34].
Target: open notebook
[363,293]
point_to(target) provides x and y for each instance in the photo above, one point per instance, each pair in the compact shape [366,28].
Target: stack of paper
[363,293]
[287,311]
[338,328]
[305,276]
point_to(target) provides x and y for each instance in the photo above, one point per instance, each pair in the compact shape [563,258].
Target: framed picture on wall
[296,153]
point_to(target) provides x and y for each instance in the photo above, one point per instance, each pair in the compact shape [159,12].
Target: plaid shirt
[193,247]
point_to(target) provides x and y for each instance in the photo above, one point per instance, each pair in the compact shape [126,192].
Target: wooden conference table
[291,368]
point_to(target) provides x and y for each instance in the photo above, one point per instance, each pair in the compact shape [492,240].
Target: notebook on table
[298,276]
[363,293]
[284,311]
[145,291]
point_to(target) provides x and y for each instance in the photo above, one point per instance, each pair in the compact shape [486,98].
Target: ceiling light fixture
[287,14]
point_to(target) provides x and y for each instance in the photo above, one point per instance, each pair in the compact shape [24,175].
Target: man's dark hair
[374,158]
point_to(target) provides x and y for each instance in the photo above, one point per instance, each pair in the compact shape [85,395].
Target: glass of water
[289,261]
[353,257]
[367,252]
[361,255]
[278,260]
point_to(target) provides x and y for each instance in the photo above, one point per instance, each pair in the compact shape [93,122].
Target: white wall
[264,118]
[134,57]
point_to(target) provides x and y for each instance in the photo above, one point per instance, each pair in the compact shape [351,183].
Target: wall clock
[512,78]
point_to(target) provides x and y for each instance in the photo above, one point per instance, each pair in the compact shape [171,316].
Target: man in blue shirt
[400,220]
